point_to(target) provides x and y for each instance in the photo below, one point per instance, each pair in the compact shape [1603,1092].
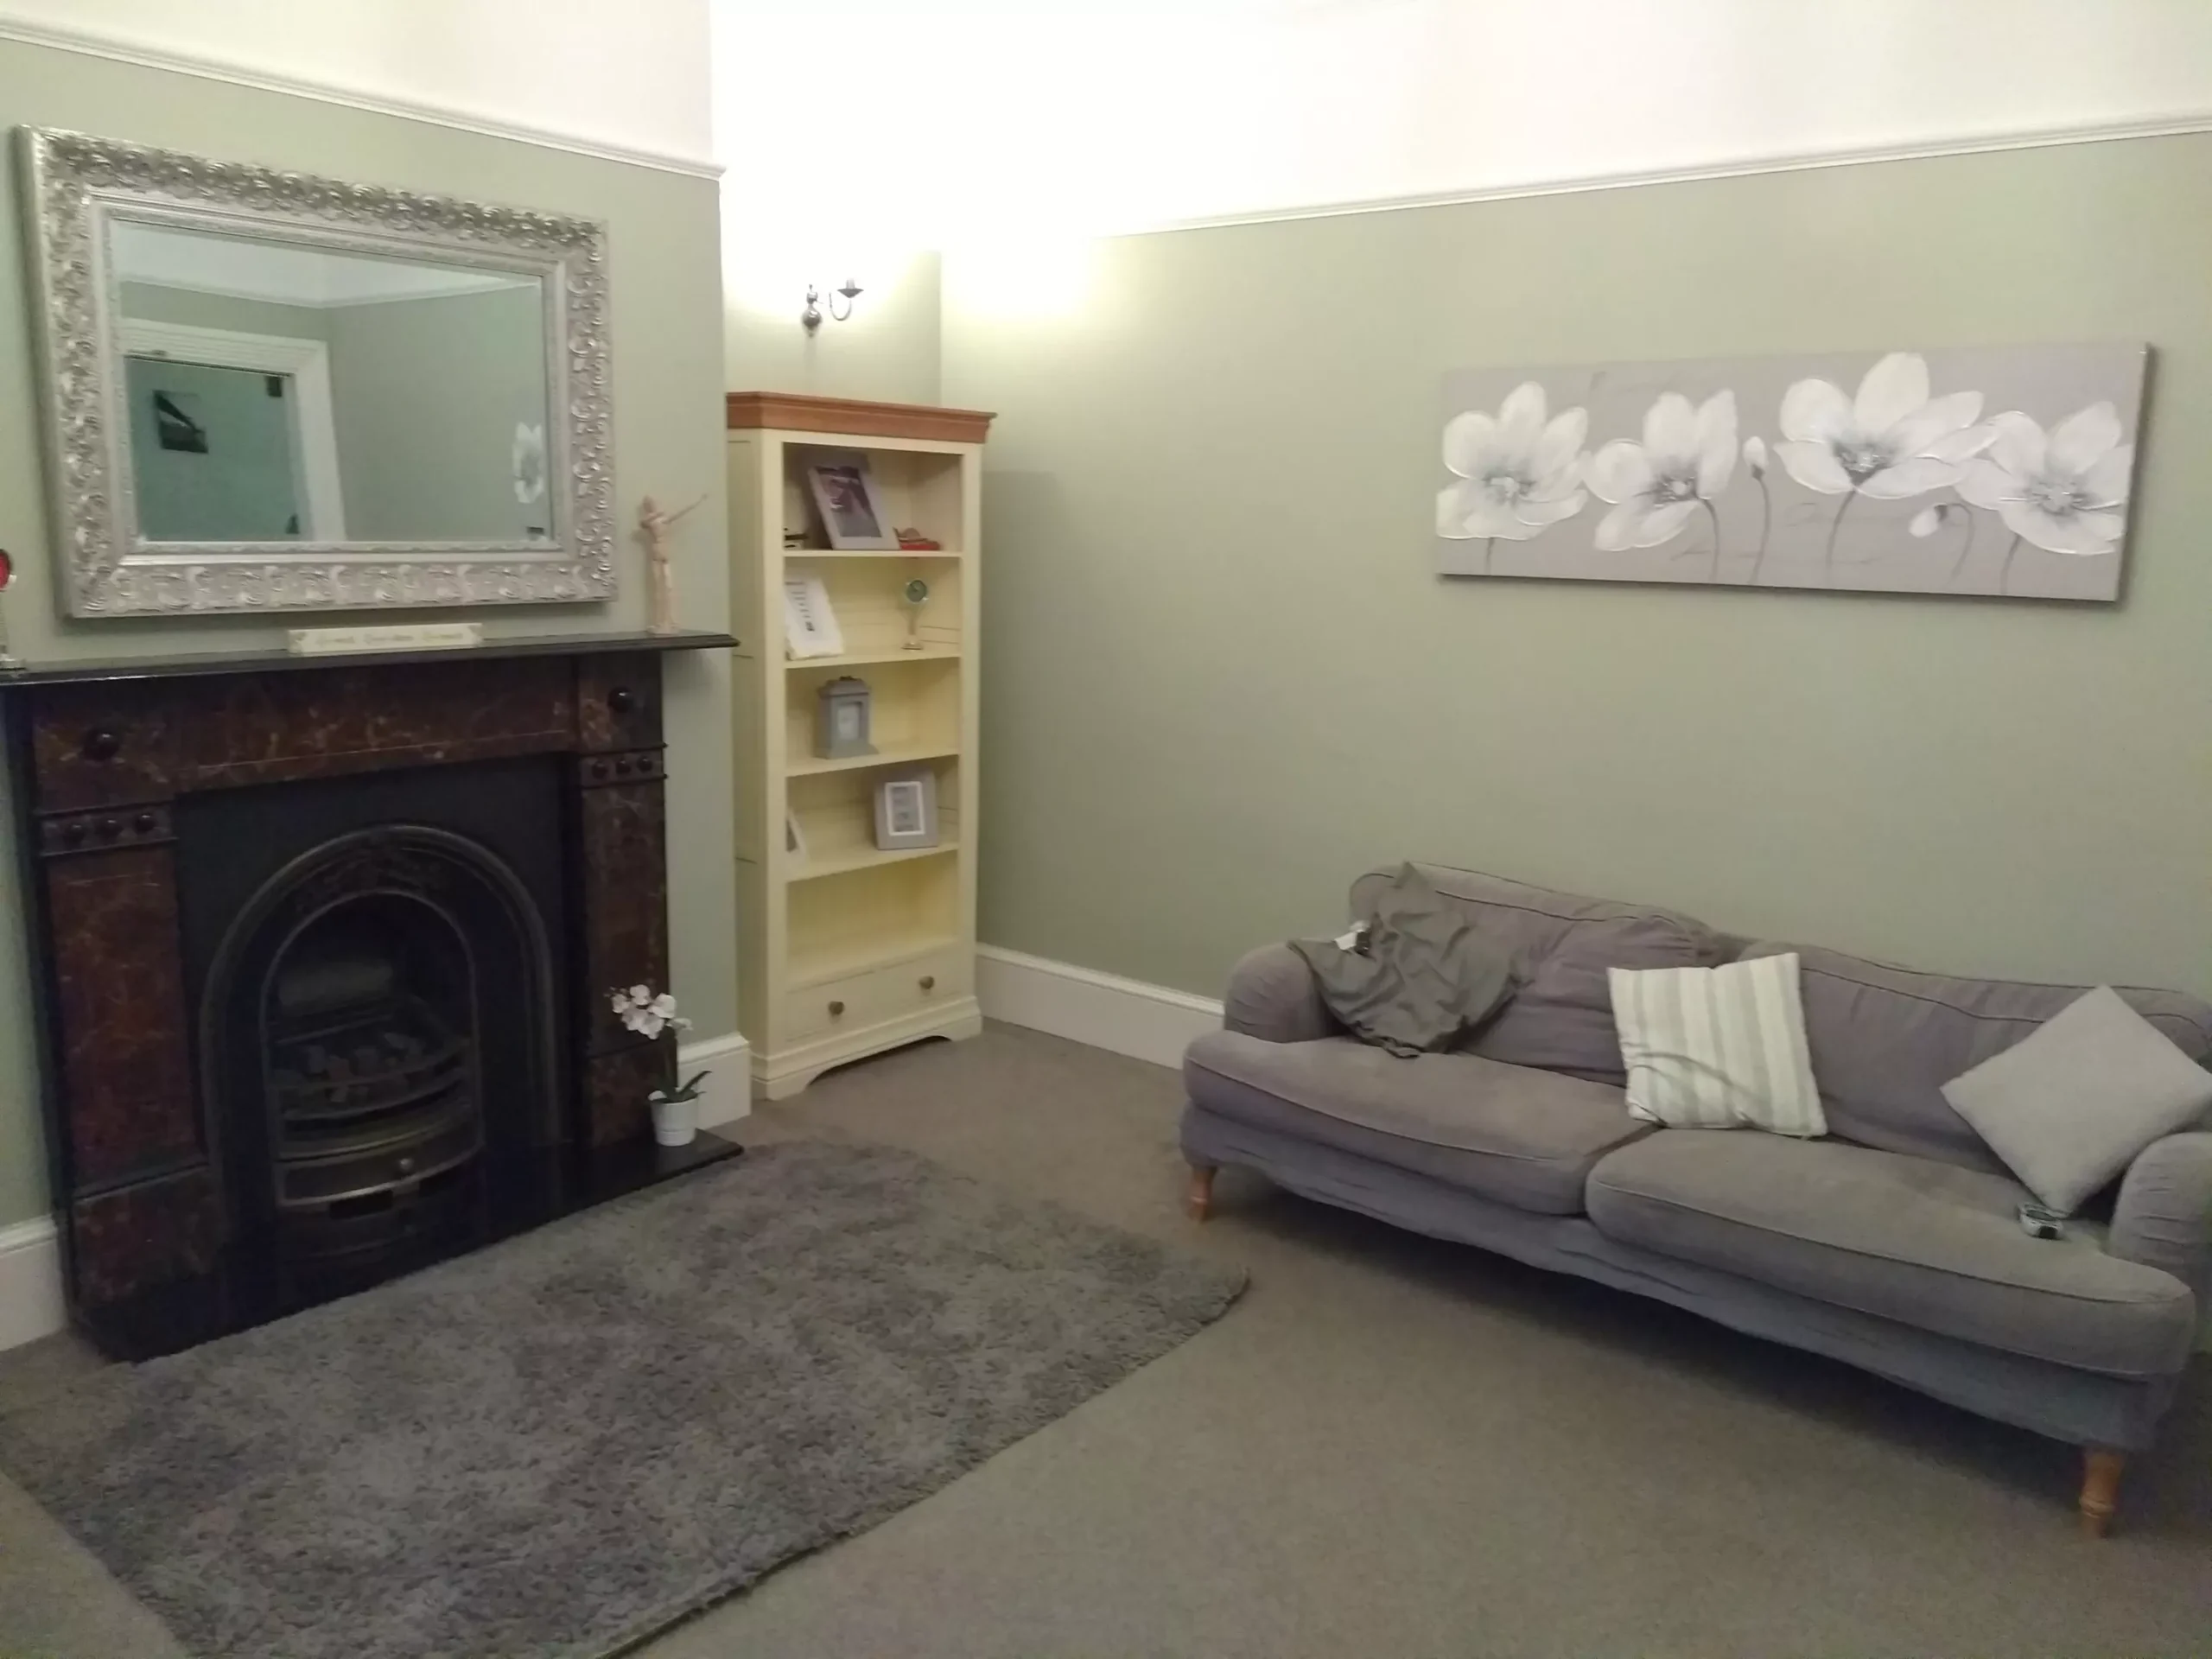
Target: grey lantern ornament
[918,595]
[841,719]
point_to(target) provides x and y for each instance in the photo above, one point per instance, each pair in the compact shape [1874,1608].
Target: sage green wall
[665,322]
[426,395]
[1221,677]
[195,310]
[886,350]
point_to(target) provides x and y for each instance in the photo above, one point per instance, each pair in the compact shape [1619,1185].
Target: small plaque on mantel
[403,636]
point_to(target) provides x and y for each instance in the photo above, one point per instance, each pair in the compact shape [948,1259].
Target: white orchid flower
[1518,472]
[1685,462]
[648,1014]
[1890,441]
[2063,493]
[1755,455]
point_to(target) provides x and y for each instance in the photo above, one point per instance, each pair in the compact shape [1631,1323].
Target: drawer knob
[622,700]
[405,1165]
[836,1010]
[102,744]
[929,982]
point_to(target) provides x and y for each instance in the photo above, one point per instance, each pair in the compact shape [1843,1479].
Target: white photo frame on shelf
[905,809]
[810,625]
[852,515]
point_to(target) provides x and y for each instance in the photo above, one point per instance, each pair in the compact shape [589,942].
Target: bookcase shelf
[814,869]
[845,948]
[812,764]
[861,659]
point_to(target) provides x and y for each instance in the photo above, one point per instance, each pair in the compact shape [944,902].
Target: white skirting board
[30,1282]
[30,1254]
[728,1095]
[1124,1016]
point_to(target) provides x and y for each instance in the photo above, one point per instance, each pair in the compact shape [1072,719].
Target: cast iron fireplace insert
[376,965]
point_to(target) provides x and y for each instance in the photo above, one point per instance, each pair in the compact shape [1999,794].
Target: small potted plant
[651,1013]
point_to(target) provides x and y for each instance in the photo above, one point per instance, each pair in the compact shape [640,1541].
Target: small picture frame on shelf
[853,517]
[905,809]
[810,626]
[842,716]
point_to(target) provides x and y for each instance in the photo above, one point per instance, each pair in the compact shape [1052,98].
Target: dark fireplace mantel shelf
[179,822]
[202,664]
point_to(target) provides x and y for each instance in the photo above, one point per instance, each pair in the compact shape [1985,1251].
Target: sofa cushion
[2069,1106]
[1521,1137]
[1927,1245]
[1885,1040]
[1561,1018]
[1718,1048]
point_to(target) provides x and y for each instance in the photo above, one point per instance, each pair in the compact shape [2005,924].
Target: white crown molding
[94,44]
[1745,167]
[236,291]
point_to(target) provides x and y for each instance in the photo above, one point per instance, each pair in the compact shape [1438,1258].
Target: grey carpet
[1392,1446]
[560,1444]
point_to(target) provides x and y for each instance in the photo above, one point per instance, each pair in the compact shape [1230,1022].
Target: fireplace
[373,966]
[324,952]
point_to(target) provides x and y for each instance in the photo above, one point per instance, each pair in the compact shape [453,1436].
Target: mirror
[286,393]
[269,391]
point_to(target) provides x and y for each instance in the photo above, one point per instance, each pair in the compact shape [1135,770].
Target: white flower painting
[1683,463]
[1515,472]
[1769,472]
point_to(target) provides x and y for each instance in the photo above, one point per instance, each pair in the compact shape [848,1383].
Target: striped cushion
[1718,1048]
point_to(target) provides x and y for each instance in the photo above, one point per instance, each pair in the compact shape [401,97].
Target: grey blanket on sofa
[1421,976]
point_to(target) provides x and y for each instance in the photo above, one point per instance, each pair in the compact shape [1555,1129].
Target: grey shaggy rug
[559,1445]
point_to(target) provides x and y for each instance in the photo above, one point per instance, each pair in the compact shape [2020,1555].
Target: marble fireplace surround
[101,755]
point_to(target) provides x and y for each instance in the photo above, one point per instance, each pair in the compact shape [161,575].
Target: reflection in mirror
[281,391]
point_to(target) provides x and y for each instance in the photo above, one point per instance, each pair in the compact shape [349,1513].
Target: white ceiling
[284,274]
[927,123]
[628,78]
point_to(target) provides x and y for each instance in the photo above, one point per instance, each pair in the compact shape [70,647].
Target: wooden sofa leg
[2100,1488]
[1198,1199]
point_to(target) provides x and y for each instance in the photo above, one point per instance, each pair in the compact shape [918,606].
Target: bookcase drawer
[859,1000]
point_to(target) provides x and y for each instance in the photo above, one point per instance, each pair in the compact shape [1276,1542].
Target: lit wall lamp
[812,315]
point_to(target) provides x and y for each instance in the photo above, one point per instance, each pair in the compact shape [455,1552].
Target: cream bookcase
[845,949]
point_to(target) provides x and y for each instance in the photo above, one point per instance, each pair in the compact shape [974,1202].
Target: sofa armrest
[2163,1218]
[1273,996]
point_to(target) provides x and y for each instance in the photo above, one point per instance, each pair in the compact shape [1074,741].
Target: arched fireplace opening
[377,1042]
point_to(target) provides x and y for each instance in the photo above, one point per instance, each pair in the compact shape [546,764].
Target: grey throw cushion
[1421,978]
[2067,1108]
[1886,1039]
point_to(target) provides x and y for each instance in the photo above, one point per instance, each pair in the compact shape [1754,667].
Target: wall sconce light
[811,317]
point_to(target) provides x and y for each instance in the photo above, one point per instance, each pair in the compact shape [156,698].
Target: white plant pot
[676,1122]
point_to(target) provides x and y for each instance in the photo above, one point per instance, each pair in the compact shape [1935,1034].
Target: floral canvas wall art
[1991,470]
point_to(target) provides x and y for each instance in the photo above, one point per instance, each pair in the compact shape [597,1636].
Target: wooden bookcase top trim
[793,411]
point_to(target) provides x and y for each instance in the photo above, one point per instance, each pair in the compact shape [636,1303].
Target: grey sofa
[1893,1242]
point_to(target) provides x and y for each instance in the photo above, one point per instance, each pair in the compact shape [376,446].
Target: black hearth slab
[642,1161]
[202,664]
[185,1313]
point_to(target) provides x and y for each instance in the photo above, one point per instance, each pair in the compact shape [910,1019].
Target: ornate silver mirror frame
[76,187]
